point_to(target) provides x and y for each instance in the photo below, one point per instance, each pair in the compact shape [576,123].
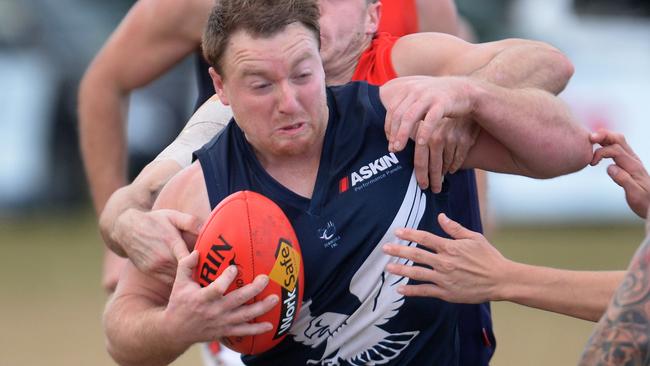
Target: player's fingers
[454,229]
[411,120]
[605,137]
[417,273]
[391,119]
[185,222]
[448,157]
[605,152]
[624,160]
[462,150]
[243,294]
[421,165]
[622,178]
[246,329]
[425,129]
[400,121]
[186,267]
[597,136]
[388,125]
[219,286]
[435,166]
[414,254]
[423,290]
[424,238]
[247,313]
[179,248]
[459,158]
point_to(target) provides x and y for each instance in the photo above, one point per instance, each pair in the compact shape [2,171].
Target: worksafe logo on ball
[370,173]
[285,273]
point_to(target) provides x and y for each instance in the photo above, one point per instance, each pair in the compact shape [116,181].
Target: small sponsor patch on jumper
[370,173]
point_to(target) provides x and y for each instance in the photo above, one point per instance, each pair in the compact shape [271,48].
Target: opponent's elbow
[564,157]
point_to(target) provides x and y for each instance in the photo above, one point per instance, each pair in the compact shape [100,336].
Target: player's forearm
[622,336]
[206,122]
[539,132]
[528,64]
[139,195]
[102,137]
[580,294]
[136,333]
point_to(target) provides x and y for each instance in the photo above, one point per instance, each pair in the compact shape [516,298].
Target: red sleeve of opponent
[398,17]
[375,64]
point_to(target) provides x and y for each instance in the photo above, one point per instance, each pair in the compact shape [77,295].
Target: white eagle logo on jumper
[358,339]
[328,232]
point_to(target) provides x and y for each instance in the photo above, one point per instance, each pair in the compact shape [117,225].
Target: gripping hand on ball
[205,314]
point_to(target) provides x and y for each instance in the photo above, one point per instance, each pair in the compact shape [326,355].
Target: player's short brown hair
[259,18]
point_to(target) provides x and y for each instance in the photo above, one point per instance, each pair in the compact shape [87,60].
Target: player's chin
[295,145]
[293,148]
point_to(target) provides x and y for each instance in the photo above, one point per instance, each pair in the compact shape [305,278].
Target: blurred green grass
[51,301]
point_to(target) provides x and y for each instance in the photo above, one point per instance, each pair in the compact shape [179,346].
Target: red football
[250,231]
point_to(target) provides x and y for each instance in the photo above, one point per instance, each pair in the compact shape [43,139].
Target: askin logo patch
[285,273]
[370,173]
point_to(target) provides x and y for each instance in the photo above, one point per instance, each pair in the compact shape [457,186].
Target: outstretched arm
[154,36]
[468,269]
[462,269]
[622,337]
[511,63]
[149,238]
[524,131]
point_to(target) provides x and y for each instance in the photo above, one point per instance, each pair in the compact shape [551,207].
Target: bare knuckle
[419,256]
[447,266]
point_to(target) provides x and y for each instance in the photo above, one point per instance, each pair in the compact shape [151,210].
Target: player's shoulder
[184,188]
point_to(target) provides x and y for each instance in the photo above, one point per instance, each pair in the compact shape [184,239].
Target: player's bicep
[186,192]
[438,54]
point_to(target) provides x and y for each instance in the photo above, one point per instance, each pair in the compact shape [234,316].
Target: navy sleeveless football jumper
[352,314]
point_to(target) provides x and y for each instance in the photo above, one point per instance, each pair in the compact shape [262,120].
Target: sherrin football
[250,231]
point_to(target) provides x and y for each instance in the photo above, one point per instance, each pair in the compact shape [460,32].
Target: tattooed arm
[622,337]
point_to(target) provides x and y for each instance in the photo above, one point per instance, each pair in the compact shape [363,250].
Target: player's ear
[217,82]
[373,15]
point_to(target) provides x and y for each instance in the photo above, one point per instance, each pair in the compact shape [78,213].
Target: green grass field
[51,301]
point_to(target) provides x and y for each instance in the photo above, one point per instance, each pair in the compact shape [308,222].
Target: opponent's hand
[153,240]
[464,269]
[415,104]
[448,146]
[627,171]
[196,314]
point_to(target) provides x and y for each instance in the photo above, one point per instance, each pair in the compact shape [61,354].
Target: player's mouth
[292,128]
